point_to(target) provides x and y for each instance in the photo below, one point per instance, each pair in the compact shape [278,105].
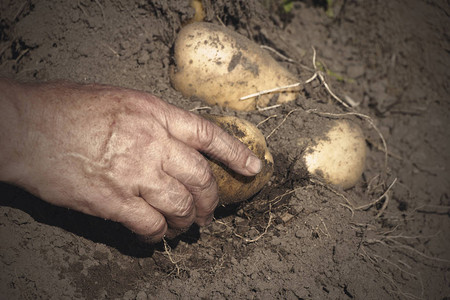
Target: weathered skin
[114,153]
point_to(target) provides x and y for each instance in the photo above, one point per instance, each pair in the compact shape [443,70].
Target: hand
[115,153]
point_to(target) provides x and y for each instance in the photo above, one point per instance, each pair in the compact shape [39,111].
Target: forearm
[12,129]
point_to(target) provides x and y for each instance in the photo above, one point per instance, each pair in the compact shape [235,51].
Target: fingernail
[253,164]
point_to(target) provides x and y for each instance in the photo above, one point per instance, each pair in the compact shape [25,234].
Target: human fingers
[141,218]
[210,139]
[191,169]
[169,197]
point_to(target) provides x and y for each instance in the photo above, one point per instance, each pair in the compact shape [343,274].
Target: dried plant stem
[281,123]
[349,205]
[266,119]
[406,247]
[270,91]
[200,108]
[259,236]
[366,206]
[284,57]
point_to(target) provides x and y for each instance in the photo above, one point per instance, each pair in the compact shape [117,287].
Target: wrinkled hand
[120,154]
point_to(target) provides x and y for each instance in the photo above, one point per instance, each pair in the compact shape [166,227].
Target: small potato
[338,157]
[199,14]
[234,187]
[220,66]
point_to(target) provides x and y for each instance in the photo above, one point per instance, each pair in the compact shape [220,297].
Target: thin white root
[268,107]
[266,119]
[281,123]
[259,236]
[349,205]
[366,206]
[278,53]
[270,91]
[200,108]
[168,252]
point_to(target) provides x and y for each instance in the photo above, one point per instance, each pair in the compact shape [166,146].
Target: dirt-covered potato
[234,187]
[339,156]
[220,66]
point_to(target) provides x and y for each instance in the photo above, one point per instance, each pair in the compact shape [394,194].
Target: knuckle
[204,176]
[157,227]
[184,206]
[234,153]
[205,133]
[210,207]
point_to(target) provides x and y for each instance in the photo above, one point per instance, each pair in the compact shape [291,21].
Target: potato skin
[234,187]
[220,66]
[339,157]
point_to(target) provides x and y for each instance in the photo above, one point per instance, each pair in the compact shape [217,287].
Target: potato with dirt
[220,66]
[338,156]
[234,187]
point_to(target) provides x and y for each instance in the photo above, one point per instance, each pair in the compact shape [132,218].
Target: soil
[298,238]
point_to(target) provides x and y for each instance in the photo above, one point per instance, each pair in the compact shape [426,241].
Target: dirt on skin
[297,238]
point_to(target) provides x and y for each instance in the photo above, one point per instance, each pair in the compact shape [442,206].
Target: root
[266,119]
[373,259]
[281,123]
[433,209]
[22,54]
[259,236]
[278,198]
[327,233]
[19,11]
[101,9]
[168,252]
[366,206]
[278,53]
[349,205]
[269,223]
[398,245]
[277,89]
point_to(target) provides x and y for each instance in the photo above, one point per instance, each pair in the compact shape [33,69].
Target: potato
[339,156]
[234,187]
[220,66]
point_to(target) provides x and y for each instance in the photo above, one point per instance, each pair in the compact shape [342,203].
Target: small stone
[129,295]
[302,233]
[143,58]
[286,217]
[141,296]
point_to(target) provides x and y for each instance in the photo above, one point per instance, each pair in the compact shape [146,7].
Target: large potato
[220,66]
[339,156]
[234,187]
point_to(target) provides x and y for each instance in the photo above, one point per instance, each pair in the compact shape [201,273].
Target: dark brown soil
[296,239]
